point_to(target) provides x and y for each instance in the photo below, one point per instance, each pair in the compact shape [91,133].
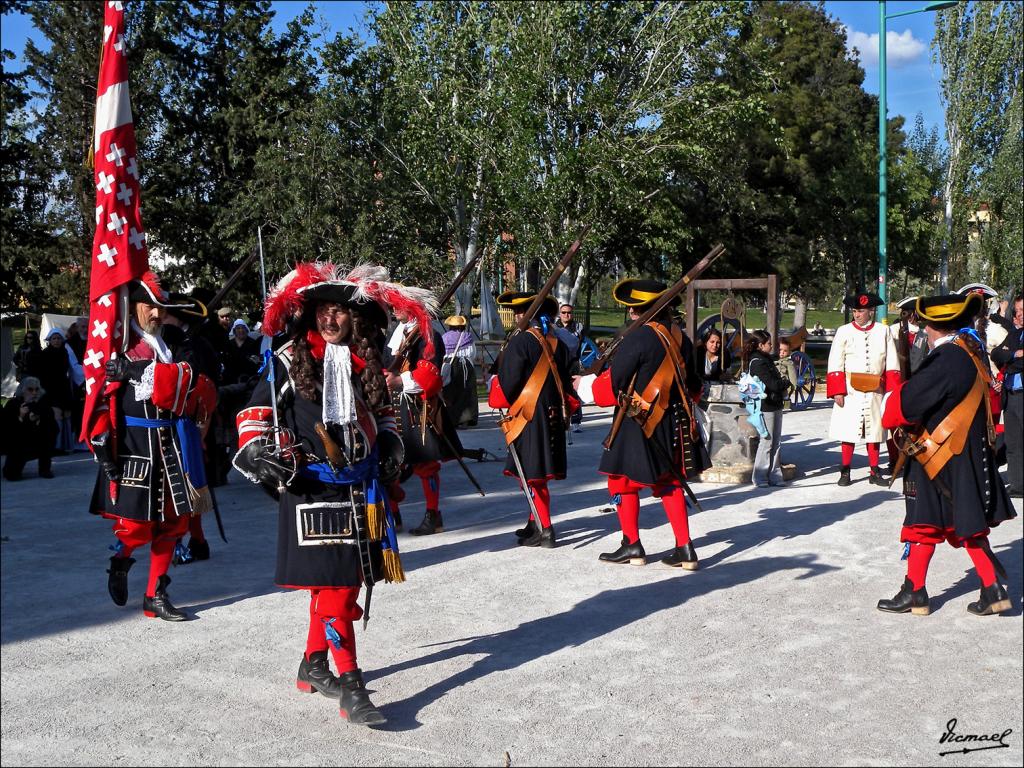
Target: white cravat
[339,401]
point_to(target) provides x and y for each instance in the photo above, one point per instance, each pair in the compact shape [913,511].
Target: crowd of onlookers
[44,417]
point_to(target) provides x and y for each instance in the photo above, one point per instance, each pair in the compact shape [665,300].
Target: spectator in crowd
[78,333]
[241,357]
[767,463]
[712,356]
[29,430]
[458,374]
[226,316]
[26,358]
[56,374]
[1008,356]
[78,337]
[240,363]
[570,332]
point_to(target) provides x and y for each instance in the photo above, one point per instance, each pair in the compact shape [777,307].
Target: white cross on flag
[119,252]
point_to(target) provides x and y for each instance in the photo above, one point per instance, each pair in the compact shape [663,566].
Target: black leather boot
[431,524]
[117,581]
[200,548]
[844,476]
[875,478]
[628,553]
[993,599]
[527,530]
[542,538]
[684,557]
[315,676]
[355,705]
[159,606]
[907,599]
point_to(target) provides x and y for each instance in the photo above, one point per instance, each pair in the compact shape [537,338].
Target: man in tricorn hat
[146,438]
[653,373]
[951,483]
[185,317]
[862,366]
[324,440]
[427,430]
[534,384]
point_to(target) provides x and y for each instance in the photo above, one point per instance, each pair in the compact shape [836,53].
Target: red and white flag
[119,252]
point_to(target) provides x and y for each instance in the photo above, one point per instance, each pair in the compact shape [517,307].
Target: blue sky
[913,80]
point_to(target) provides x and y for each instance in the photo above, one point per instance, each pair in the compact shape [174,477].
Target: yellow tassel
[393,573]
[375,521]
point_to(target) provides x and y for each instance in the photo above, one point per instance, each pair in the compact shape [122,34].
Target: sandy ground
[491,654]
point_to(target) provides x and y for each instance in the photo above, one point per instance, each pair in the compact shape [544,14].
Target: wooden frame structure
[770,283]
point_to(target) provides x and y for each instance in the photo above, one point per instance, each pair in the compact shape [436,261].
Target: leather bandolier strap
[933,449]
[520,413]
[655,398]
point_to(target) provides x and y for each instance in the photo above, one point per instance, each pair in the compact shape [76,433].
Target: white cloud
[900,47]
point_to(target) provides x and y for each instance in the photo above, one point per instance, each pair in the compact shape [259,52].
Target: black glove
[122,369]
[101,449]
[261,461]
[391,455]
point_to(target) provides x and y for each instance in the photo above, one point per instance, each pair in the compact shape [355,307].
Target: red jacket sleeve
[172,383]
[496,398]
[202,400]
[428,377]
[602,389]
[892,416]
[892,380]
[835,384]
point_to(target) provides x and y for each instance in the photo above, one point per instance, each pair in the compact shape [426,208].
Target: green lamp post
[882,313]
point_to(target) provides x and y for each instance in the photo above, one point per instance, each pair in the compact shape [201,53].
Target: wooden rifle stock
[620,414]
[218,297]
[656,307]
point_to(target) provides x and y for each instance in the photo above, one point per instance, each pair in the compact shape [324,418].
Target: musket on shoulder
[545,290]
[674,290]
[214,304]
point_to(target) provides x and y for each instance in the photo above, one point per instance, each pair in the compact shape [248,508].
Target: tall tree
[979,48]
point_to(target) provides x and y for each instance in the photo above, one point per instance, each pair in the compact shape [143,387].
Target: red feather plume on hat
[285,302]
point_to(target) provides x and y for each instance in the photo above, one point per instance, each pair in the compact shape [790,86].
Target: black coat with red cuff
[541,445]
[423,446]
[302,562]
[979,499]
[678,446]
[179,390]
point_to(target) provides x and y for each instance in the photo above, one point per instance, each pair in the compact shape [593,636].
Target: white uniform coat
[859,350]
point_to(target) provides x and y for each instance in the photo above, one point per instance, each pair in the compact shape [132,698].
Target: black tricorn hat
[949,309]
[639,293]
[345,293]
[863,300]
[185,308]
[519,301]
[147,289]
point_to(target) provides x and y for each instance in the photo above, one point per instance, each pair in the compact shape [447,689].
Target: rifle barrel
[669,294]
[532,310]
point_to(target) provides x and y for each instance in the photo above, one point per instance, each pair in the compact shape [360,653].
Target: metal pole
[882,313]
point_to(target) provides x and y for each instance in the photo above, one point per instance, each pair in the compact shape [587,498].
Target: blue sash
[191,440]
